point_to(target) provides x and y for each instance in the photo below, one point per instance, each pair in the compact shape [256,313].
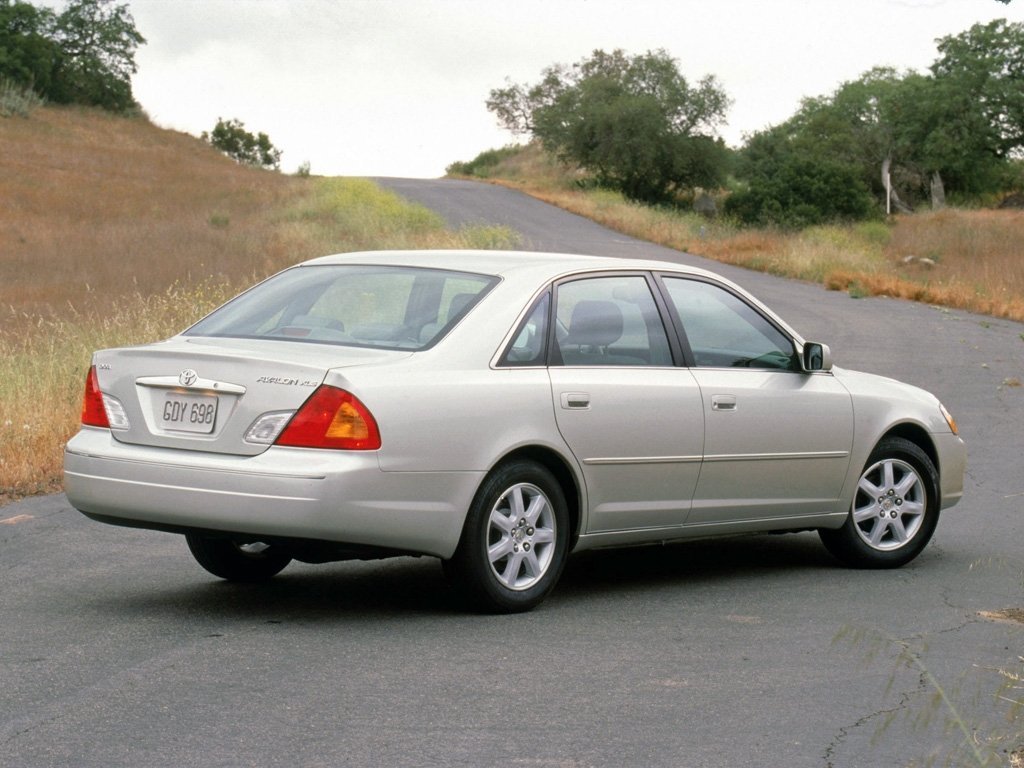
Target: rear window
[366,306]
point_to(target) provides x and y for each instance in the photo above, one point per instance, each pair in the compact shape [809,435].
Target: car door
[631,417]
[777,439]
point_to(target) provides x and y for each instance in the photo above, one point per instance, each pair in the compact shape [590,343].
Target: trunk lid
[203,394]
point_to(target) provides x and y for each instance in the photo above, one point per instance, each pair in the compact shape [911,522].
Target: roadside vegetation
[853,191]
[961,258]
[124,233]
[887,140]
[83,53]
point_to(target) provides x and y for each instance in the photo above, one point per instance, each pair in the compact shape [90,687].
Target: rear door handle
[723,402]
[579,401]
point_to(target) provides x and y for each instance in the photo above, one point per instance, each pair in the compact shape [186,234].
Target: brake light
[332,418]
[93,412]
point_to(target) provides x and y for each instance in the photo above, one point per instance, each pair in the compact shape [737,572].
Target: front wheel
[515,540]
[237,562]
[894,511]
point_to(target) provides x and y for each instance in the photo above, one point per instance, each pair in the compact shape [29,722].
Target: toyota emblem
[188,377]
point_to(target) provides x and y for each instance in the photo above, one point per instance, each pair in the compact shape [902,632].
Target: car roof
[504,263]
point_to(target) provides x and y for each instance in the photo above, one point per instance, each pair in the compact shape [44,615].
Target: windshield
[366,306]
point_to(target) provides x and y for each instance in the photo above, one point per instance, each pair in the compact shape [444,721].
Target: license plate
[188,413]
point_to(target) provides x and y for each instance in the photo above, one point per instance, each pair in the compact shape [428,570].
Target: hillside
[98,206]
[115,232]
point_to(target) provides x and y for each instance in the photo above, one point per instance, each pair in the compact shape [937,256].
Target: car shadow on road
[696,563]
[416,587]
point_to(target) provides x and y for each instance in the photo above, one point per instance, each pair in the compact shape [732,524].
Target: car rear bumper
[337,496]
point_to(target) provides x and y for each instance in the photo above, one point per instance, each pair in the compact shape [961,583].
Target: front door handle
[723,402]
[577,401]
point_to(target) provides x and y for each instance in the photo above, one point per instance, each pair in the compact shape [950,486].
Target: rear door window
[609,320]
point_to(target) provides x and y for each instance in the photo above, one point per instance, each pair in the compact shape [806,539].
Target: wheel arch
[560,468]
[917,435]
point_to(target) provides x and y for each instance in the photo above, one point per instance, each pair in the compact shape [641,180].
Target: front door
[777,439]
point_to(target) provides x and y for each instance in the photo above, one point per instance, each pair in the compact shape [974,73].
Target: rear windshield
[366,306]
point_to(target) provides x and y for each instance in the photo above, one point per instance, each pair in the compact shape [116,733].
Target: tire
[894,512]
[237,562]
[515,540]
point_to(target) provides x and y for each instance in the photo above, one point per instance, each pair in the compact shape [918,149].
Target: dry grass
[100,207]
[116,232]
[972,260]
[41,393]
[978,255]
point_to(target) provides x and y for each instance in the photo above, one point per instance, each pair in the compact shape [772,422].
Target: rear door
[633,420]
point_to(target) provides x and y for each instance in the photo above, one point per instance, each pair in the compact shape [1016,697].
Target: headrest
[594,324]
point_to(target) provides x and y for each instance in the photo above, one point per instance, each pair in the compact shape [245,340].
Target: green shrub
[798,192]
[483,165]
[231,138]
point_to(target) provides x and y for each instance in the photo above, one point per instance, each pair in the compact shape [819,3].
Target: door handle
[723,402]
[579,401]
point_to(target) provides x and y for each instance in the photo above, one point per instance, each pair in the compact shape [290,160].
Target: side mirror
[816,357]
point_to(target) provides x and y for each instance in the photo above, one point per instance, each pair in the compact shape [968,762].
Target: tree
[792,184]
[28,53]
[97,40]
[634,121]
[956,127]
[984,66]
[83,55]
[231,138]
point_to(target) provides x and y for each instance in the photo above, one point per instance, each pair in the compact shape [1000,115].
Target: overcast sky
[397,87]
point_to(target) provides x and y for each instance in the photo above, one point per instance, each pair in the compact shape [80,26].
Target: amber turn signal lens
[348,424]
[332,418]
[949,419]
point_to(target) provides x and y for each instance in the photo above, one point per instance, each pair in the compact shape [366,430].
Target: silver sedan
[500,410]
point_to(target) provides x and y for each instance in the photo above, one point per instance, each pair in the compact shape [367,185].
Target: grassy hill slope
[114,232]
[98,207]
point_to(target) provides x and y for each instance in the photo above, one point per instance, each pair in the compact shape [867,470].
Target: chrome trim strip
[200,385]
[778,456]
[716,458]
[645,460]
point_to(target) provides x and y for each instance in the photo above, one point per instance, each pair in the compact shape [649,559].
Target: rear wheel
[515,540]
[234,561]
[894,511]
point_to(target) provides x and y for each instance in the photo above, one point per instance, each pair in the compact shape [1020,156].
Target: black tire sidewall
[223,558]
[846,542]
[470,564]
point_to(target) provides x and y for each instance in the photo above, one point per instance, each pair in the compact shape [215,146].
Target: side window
[610,321]
[726,332]
[529,346]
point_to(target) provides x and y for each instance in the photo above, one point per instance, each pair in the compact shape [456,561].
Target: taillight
[93,412]
[332,418]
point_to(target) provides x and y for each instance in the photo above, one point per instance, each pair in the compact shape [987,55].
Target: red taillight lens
[332,418]
[93,412]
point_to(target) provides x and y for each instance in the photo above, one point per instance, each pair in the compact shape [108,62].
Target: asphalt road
[117,650]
